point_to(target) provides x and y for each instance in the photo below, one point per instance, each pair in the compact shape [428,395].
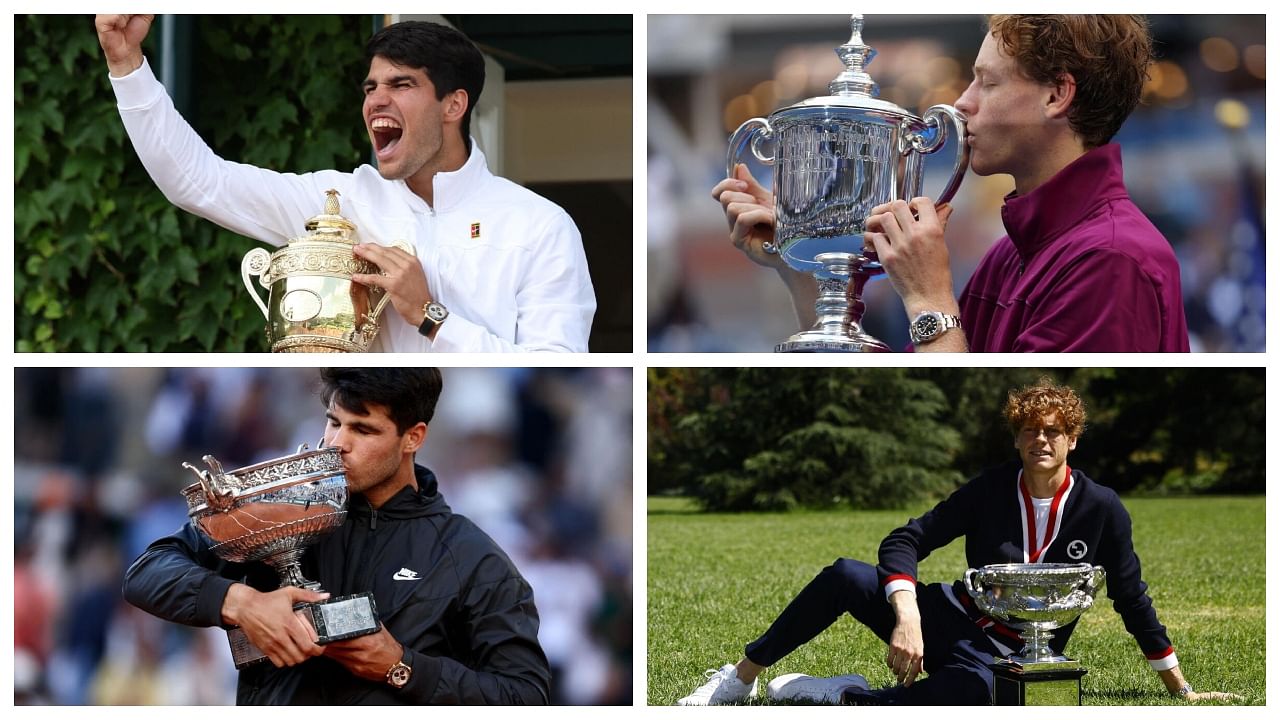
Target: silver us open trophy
[271,512]
[835,158]
[1036,598]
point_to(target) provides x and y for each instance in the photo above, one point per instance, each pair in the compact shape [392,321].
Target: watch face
[437,312]
[399,675]
[927,326]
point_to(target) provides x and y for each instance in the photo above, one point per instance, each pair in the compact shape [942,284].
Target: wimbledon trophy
[271,512]
[1035,598]
[835,158]
[313,305]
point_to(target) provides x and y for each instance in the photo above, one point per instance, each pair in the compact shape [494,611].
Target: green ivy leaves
[102,262]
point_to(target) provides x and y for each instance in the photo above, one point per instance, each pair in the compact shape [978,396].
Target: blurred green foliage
[103,263]
[778,438]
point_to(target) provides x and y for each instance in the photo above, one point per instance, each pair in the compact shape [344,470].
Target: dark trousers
[956,652]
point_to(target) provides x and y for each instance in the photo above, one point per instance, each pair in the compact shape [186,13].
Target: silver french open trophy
[271,512]
[835,158]
[1036,598]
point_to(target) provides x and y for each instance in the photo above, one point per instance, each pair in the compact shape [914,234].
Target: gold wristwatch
[400,673]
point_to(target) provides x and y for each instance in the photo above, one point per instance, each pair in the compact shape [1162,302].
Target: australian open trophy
[1034,599]
[313,305]
[271,512]
[835,158]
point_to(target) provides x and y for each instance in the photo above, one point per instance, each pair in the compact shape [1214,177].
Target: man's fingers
[753,186]
[385,258]
[381,281]
[727,185]
[745,222]
[924,209]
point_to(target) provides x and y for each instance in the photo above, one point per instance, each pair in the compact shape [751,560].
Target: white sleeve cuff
[894,586]
[1165,663]
[138,89]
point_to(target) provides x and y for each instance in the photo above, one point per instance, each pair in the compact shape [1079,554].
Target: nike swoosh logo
[404,574]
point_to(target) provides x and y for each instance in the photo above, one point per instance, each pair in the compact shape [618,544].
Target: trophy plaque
[1035,598]
[271,512]
[835,158]
[313,305]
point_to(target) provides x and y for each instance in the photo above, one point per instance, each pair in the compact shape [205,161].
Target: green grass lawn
[716,581]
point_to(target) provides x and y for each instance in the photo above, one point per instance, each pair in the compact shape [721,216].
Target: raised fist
[121,39]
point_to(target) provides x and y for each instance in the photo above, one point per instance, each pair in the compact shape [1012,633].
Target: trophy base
[334,619]
[1044,683]
[817,342]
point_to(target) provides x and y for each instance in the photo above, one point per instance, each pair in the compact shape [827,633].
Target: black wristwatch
[400,673]
[433,313]
[929,326]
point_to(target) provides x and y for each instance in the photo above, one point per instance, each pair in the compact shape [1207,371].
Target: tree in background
[739,439]
[769,439]
[103,262]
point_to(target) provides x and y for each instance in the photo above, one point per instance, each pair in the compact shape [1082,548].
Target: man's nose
[965,102]
[336,438]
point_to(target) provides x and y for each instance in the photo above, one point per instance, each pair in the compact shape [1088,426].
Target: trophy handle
[750,133]
[386,297]
[970,584]
[255,262]
[747,135]
[218,494]
[1095,580]
[926,143]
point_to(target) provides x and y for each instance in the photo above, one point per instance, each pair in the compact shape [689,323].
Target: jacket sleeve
[1127,590]
[177,578]
[251,201]
[505,664]
[904,548]
[555,302]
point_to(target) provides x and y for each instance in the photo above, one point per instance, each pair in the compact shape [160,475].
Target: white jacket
[520,284]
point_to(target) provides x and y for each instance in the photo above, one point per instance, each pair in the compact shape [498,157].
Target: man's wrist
[125,67]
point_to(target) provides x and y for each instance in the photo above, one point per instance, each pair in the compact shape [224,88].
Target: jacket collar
[451,189]
[1037,218]
[409,502]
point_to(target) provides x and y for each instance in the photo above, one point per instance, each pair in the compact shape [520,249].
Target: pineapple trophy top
[331,225]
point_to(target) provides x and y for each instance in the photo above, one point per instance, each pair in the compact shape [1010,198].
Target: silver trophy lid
[853,87]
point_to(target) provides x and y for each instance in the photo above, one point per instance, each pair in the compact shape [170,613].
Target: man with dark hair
[1035,509]
[459,624]
[1081,269]
[495,267]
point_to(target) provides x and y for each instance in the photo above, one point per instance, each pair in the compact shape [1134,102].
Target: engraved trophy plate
[835,158]
[1036,598]
[270,512]
[313,305]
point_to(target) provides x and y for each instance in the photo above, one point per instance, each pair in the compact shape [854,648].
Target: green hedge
[103,263]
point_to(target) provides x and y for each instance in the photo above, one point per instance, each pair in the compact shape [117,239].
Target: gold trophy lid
[330,225]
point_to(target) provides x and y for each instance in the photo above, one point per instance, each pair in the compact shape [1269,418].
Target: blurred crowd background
[538,458]
[1194,160]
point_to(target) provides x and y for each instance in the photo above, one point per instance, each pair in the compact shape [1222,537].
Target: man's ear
[1061,95]
[413,438]
[455,105]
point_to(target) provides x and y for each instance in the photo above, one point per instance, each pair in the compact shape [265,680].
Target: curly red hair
[1107,55]
[1032,404]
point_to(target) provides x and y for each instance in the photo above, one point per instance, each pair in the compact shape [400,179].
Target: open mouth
[386,135]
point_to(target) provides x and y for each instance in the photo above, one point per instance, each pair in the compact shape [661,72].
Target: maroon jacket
[1081,270]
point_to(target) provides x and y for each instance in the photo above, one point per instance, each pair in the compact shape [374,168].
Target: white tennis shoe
[721,688]
[807,688]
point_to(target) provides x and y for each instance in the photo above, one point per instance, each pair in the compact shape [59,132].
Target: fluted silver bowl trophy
[271,512]
[835,158]
[1035,599]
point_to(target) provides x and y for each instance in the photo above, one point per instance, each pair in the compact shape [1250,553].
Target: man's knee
[853,575]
